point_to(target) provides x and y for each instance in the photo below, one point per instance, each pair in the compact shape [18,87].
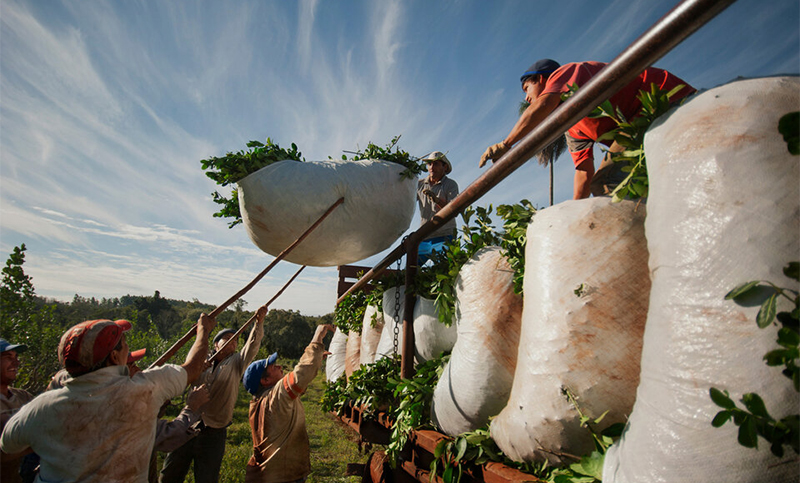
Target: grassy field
[333,444]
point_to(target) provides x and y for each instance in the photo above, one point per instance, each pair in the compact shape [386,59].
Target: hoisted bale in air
[281,201]
[477,380]
[586,290]
[370,333]
[352,360]
[431,337]
[335,362]
[723,210]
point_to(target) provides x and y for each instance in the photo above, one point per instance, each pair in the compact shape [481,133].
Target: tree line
[39,322]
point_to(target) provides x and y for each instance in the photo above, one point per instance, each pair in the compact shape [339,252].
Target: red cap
[85,345]
[136,355]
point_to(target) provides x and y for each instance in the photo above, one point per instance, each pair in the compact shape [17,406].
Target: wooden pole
[251,319]
[188,336]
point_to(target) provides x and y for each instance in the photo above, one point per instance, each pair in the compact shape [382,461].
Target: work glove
[493,152]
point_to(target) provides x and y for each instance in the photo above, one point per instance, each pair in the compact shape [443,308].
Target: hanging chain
[397,307]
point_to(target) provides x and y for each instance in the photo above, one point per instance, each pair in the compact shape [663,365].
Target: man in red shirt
[544,83]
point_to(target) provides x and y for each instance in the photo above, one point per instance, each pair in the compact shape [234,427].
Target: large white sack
[477,380]
[352,359]
[723,210]
[281,201]
[589,342]
[334,367]
[370,335]
[431,337]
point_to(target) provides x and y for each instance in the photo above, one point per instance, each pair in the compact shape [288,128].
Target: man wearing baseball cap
[546,81]
[222,378]
[101,425]
[281,452]
[434,192]
[11,400]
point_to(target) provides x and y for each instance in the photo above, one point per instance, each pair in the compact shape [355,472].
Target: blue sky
[106,109]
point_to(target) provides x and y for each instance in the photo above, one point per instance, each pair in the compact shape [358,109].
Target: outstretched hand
[322,331]
[197,397]
[261,313]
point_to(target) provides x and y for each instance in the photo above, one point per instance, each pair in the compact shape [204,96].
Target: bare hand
[197,397]
[261,313]
[493,152]
[206,323]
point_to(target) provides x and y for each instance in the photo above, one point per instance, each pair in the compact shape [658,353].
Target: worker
[281,451]
[101,426]
[546,81]
[11,400]
[222,378]
[434,192]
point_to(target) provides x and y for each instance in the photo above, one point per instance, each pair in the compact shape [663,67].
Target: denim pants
[206,450]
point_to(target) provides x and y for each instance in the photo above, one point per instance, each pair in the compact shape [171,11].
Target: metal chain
[397,306]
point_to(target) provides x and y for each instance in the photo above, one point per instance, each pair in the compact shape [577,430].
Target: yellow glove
[493,152]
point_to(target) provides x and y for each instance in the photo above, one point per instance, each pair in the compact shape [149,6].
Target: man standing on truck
[544,83]
[281,452]
[222,378]
[434,192]
[101,426]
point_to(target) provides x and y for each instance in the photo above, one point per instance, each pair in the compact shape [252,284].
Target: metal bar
[189,335]
[407,353]
[678,24]
[239,331]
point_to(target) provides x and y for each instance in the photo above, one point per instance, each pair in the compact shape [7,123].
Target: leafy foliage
[233,167]
[413,166]
[789,127]
[349,313]
[515,236]
[366,388]
[754,420]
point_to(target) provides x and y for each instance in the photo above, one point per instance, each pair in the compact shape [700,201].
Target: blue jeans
[427,247]
[206,450]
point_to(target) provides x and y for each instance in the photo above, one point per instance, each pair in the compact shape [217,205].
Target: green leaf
[721,399]
[755,405]
[748,434]
[721,418]
[591,465]
[767,313]
[789,127]
[461,447]
[792,270]
[741,290]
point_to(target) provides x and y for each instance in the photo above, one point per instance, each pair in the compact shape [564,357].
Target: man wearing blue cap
[546,81]
[11,399]
[281,452]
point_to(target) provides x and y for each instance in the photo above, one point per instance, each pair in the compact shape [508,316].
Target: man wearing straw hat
[222,378]
[434,192]
[101,426]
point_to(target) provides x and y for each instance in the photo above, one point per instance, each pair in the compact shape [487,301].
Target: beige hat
[440,156]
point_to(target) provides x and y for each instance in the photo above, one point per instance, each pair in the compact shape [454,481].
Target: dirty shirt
[581,136]
[99,427]
[9,405]
[281,451]
[446,189]
[223,381]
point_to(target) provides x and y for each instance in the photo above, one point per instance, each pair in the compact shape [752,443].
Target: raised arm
[196,359]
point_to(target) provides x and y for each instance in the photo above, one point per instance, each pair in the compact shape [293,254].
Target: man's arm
[250,348]
[583,179]
[539,109]
[195,360]
[171,435]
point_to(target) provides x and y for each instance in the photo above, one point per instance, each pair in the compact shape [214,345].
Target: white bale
[352,359]
[386,344]
[281,201]
[477,380]
[334,367]
[723,210]
[431,337]
[589,342]
[370,333]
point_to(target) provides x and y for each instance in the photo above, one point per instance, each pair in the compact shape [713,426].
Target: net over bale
[723,210]
[586,291]
[476,382]
[280,201]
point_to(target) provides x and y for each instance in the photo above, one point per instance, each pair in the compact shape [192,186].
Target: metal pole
[407,354]
[678,24]
[188,336]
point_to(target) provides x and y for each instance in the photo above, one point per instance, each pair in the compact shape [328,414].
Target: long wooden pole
[188,336]
[241,329]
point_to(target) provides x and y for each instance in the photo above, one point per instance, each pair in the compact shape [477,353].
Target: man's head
[94,344]
[262,373]
[535,77]
[221,338]
[9,361]
[438,165]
